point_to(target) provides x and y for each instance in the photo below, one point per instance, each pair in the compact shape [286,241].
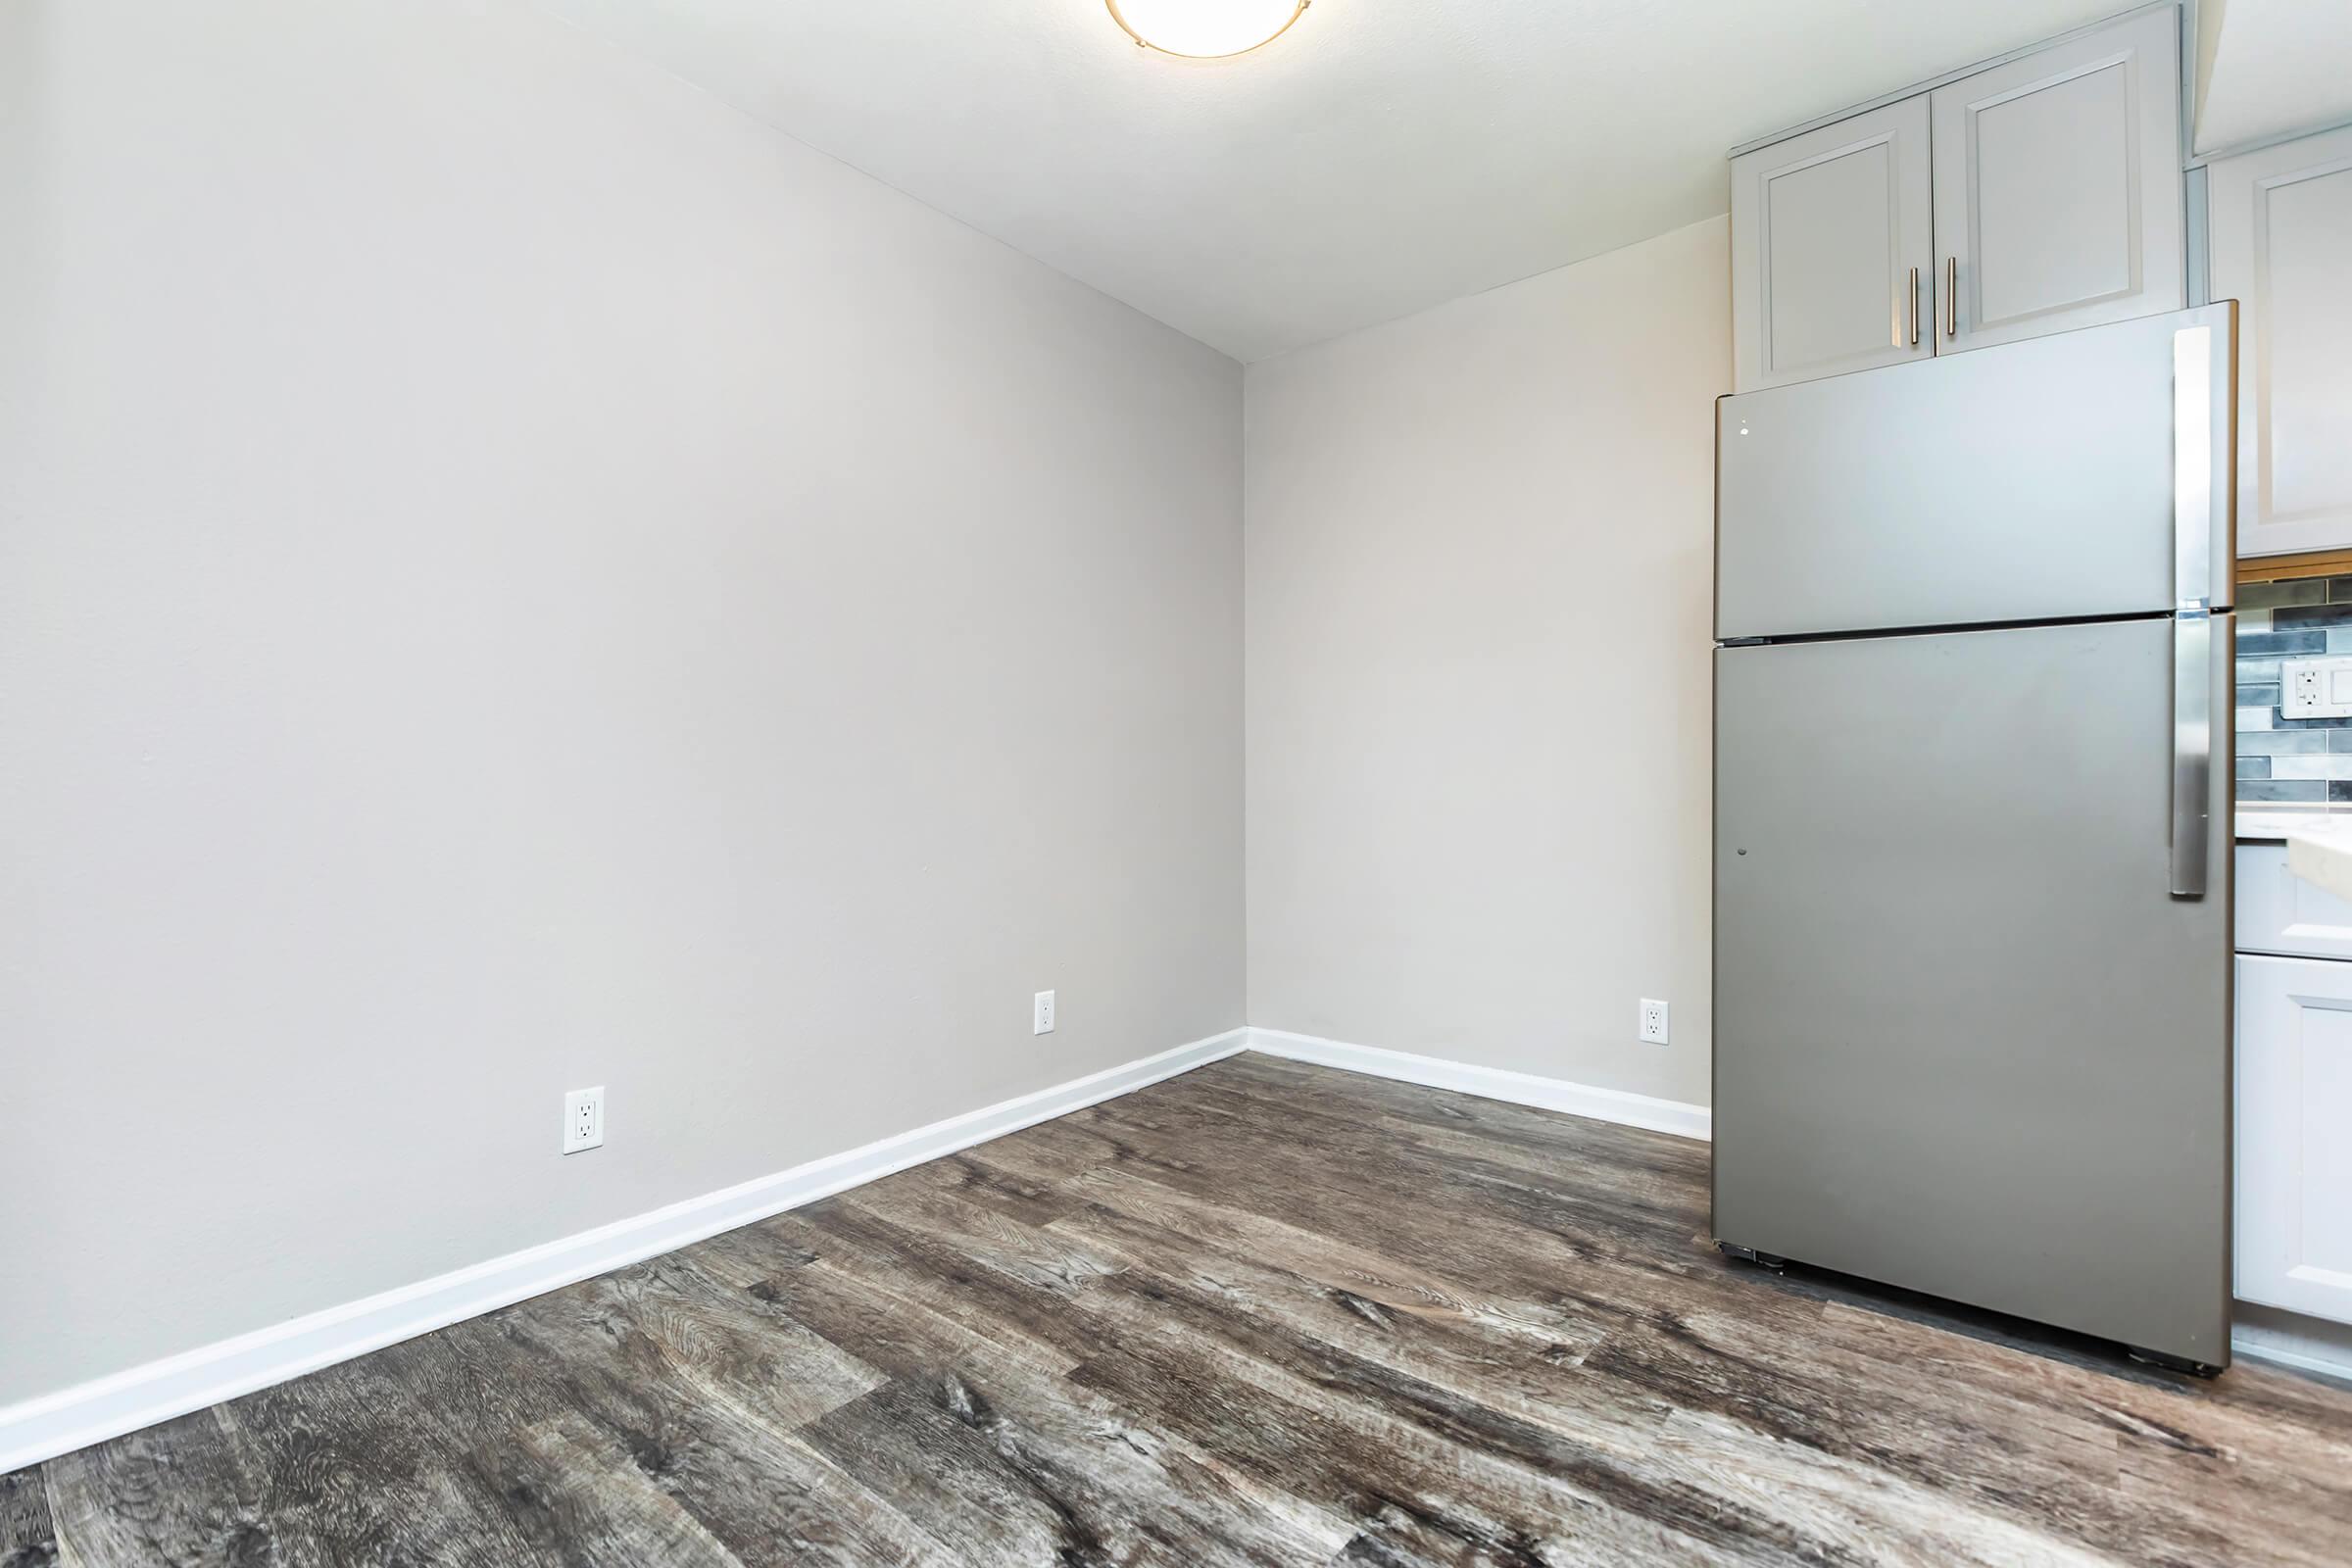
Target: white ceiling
[2272,67]
[1379,158]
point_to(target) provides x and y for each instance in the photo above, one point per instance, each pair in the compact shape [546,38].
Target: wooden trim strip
[2287,569]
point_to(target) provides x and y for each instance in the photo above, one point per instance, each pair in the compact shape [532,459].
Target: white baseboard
[52,1424]
[107,1408]
[1491,1083]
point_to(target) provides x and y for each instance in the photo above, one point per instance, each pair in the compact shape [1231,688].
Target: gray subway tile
[2336,764]
[2261,643]
[2253,767]
[2303,617]
[2339,588]
[2258,696]
[2339,789]
[2251,719]
[2258,671]
[2339,639]
[2282,742]
[2267,595]
[2339,739]
[2290,789]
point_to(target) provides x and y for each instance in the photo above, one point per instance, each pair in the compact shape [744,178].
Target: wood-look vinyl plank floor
[1263,1313]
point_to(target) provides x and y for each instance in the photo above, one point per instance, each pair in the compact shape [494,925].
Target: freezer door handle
[2192,749]
[2192,469]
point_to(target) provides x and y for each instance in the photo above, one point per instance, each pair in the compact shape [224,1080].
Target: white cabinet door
[1831,246]
[2294,1135]
[2277,912]
[2058,187]
[2281,247]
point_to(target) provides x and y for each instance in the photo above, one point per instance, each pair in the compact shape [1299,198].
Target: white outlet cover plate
[1652,1023]
[1041,1016]
[583,1120]
[2315,688]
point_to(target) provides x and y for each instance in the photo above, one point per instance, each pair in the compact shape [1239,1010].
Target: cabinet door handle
[1915,307]
[1951,296]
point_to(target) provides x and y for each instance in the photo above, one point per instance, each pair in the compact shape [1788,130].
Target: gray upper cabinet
[2058,186]
[1830,248]
[2281,247]
[2034,196]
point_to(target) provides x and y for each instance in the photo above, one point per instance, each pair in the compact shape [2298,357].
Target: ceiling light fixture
[1205,29]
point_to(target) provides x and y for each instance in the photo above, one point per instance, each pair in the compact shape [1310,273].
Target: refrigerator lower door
[1968,1040]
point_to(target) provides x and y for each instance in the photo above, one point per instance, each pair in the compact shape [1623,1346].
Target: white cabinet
[2294,1135]
[2034,196]
[2281,247]
[1832,245]
[2279,912]
[2058,186]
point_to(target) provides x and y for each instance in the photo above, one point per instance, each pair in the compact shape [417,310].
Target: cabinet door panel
[2058,187]
[1828,229]
[2295,1157]
[2282,246]
[2279,912]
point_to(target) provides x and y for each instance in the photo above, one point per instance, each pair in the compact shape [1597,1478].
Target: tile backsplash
[2279,759]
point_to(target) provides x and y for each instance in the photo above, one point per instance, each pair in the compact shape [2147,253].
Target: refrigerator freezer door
[1967,1040]
[2032,481]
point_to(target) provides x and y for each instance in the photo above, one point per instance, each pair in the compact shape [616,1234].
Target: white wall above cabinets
[2037,195]
[2267,69]
[2281,246]
[2295,1160]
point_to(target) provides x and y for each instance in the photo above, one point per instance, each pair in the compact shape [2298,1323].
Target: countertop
[2271,824]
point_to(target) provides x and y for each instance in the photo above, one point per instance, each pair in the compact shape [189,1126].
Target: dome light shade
[1205,29]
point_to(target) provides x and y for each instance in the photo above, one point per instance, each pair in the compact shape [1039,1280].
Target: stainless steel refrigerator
[1973,698]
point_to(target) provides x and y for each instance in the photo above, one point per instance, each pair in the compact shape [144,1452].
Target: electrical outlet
[2315,688]
[1653,1021]
[1040,1017]
[583,1120]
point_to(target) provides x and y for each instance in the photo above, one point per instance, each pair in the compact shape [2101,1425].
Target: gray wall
[1479,555]
[514,578]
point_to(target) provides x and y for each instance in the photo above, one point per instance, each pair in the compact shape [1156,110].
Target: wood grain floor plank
[972,1178]
[1260,1313]
[754,1488]
[948,1479]
[28,1537]
[1030,1254]
[169,1496]
[1388,1454]
[1098,1478]
[1291,1158]
[346,1469]
[850,1302]
[1378,1279]
[576,1497]
[1826,1508]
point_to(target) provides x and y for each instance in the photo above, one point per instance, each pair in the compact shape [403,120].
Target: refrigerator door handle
[2193,604]
[2192,749]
